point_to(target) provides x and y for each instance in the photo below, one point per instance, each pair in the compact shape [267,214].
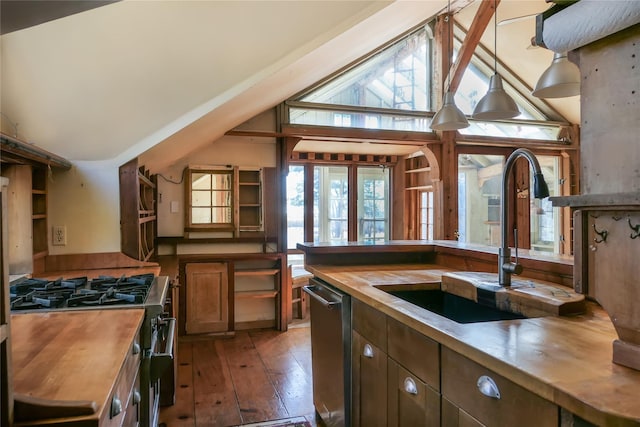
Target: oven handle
[161,361]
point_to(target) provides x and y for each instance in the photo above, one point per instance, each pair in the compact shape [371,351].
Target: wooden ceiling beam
[480,21]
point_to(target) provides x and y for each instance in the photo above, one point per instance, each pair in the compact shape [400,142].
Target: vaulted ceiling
[165,78]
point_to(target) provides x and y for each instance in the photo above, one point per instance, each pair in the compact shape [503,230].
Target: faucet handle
[514,267]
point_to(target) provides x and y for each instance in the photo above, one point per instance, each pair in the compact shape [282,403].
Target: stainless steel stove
[105,292]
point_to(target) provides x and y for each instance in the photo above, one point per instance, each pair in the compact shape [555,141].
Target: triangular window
[397,77]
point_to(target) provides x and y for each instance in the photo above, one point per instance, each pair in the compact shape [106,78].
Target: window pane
[221,215]
[479,186]
[221,198]
[545,219]
[373,202]
[201,215]
[222,181]
[330,203]
[426,215]
[295,206]
[201,181]
[201,198]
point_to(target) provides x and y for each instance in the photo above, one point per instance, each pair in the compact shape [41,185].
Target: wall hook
[635,228]
[603,235]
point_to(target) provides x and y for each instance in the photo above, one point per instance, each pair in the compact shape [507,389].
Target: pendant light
[449,117]
[560,80]
[496,104]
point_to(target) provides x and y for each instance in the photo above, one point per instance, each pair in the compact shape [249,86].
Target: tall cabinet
[6,398]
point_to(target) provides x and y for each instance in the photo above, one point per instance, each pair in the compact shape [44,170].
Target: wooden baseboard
[255,324]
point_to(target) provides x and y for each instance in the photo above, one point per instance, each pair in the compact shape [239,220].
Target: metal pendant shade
[449,117]
[496,104]
[560,80]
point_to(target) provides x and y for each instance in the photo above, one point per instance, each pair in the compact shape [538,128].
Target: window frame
[211,226]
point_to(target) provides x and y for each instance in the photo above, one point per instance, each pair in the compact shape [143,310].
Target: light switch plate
[175,206]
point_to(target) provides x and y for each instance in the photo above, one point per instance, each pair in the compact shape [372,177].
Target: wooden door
[207,298]
[411,402]
[369,374]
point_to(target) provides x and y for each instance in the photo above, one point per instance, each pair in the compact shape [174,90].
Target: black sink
[453,307]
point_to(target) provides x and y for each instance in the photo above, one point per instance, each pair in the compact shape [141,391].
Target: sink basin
[454,307]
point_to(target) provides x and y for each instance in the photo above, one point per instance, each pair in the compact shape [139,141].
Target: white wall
[85,199]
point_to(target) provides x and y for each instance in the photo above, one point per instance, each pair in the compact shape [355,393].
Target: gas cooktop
[79,292]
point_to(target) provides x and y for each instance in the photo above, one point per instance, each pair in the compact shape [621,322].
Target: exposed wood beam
[480,21]
[329,133]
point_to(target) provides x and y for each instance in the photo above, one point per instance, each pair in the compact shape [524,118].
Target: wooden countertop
[72,355]
[566,360]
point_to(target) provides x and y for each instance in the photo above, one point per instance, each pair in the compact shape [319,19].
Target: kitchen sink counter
[73,359]
[564,359]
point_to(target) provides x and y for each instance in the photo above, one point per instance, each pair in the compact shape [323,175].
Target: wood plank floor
[252,377]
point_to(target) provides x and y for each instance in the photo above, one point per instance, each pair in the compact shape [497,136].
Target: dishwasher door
[330,352]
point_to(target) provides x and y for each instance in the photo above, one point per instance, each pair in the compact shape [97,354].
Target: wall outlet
[59,235]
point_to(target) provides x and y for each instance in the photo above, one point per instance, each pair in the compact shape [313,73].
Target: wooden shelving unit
[6,396]
[39,213]
[137,211]
[249,200]
[417,173]
[257,293]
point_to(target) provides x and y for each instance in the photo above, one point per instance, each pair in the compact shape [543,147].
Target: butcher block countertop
[564,359]
[73,355]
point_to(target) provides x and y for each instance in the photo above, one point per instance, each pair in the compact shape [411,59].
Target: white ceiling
[159,79]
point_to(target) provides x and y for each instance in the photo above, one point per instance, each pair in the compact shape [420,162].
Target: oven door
[158,361]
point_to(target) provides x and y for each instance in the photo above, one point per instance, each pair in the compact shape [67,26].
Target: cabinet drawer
[414,351]
[370,323]
[411,402]
[516,406]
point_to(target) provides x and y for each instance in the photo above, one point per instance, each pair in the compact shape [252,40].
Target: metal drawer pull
[488,387]
[410,386]
[368,351]
[116,406]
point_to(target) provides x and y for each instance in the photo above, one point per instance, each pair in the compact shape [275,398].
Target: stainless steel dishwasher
[330,352]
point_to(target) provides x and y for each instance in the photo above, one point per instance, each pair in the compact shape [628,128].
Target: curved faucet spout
[540,191]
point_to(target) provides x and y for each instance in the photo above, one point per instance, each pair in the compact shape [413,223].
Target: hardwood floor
[255,376]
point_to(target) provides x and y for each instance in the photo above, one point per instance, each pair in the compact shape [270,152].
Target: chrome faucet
[540,190]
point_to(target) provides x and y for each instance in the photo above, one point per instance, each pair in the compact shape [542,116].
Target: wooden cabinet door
[411,402]
[369,376]
[207,302]
[452,416]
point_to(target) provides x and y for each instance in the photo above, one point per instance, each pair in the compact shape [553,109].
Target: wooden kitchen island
[550,370]
[70,367]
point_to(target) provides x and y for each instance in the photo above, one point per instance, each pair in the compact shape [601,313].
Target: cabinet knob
[136,348]
[488,387]
[136,397]
[368,351]
[116,406]
[410,386]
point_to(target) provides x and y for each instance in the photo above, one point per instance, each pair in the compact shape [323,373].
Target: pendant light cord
[495,36]
[448,20]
